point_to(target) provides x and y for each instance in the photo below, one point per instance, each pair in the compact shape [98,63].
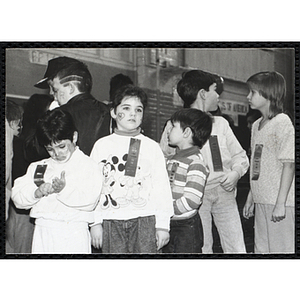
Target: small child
[61,191]
[272,169]
[190,130]
[136,202]
[13,127]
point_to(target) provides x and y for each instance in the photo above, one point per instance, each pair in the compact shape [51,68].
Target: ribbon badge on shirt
[39,174]
[256,161]
[133,155]
[215,153]
[173,171]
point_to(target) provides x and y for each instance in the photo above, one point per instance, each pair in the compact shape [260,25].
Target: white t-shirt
[277,138]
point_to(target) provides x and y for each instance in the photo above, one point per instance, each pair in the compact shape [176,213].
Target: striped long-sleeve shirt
[187,173]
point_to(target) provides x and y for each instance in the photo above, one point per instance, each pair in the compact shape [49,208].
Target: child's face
[129,114]
[257,101]
[16,126]
[212,98]
[175,135]
[62,150]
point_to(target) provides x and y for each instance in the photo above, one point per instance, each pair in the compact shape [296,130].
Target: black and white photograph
[151,150]
[144,151]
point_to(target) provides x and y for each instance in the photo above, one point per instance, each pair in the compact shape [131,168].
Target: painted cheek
[64,154]
[52,154]
[120,115]
[67,151]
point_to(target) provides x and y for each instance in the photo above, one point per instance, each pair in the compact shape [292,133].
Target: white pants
[273,237]
[221,206]
[61,237]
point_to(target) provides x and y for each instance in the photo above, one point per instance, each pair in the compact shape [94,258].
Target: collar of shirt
[125,133]
[186,152]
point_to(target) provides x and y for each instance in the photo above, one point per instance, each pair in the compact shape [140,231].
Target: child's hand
[248,207]
[59,183]
[162,238]
[97,236]
[44,189]
[278,213]
[229,181]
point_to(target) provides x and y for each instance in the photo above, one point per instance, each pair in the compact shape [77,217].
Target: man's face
[60,92]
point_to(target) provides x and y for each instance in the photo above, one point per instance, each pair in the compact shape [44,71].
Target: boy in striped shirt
[190,130]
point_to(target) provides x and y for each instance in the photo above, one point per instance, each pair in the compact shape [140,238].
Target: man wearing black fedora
[70,83]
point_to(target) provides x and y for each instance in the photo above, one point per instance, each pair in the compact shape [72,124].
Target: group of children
[133,195]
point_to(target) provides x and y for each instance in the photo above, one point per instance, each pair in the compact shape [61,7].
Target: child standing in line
[136,203]
[227,163]
[61,191]
[190,130]
[272,167]
[13,126]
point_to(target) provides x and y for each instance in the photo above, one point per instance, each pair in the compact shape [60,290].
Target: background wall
[157,70]
[240,64]
[24,68]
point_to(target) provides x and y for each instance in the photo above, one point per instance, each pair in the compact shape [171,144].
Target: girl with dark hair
[61,191]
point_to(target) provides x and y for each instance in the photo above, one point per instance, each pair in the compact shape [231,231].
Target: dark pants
[186,236]
[19,231]
[129,236]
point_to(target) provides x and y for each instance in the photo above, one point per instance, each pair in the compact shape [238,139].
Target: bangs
[253,86]
[272,86]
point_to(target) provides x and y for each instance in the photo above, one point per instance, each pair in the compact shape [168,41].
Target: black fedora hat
[54,66]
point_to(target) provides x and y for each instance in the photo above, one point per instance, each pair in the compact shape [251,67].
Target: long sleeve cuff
[98,219]
[162,222]
[239,170]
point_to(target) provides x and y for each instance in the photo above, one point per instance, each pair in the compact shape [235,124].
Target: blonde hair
[272,86]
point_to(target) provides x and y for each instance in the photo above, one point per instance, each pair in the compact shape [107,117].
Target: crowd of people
[82,177]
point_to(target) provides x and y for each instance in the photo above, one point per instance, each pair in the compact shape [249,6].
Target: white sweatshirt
[233,156]
[125,197]
[75,202]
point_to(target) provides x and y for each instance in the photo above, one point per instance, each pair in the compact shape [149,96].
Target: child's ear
[112,113]
[75,137]
[14,124]
[200,100]
[202,94]
[11,124]
[187,132]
